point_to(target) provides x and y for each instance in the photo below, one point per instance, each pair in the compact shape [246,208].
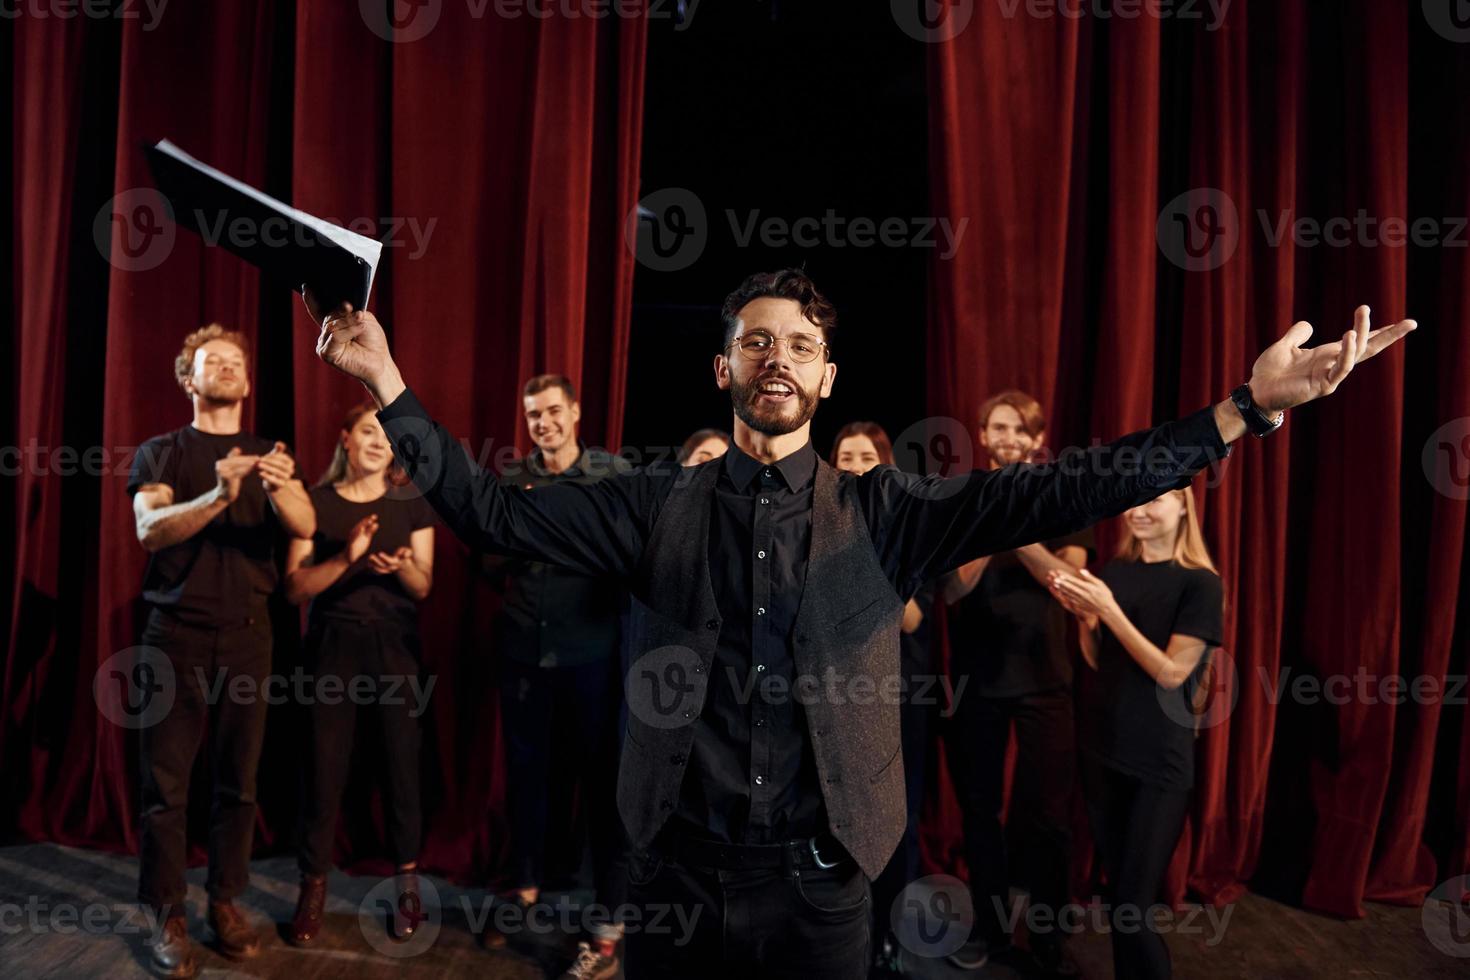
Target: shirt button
[768,471]
[760,723]
[760,780]
[760,554]
[543,622]
[759,668]
[760,611]
[765,500]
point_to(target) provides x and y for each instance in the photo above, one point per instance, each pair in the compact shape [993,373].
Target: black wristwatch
[1258,422]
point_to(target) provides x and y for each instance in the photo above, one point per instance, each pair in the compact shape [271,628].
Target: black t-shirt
[361,594]
[1134,725]
[1009,634]
[224,573]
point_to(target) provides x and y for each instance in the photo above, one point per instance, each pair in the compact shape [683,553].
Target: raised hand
[276,467]
[360,537]
[353,342]
[1286,375]
[229,471]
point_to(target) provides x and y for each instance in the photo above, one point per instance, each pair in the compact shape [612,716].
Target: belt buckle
[811,843]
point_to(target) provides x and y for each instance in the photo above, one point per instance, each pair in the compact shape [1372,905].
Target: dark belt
[806,853]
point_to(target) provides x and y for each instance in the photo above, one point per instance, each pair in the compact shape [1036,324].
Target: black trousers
[204,663]
[376,661]
[1136,826]
[704,922]
[903,867]
[560,724]
[1038,834]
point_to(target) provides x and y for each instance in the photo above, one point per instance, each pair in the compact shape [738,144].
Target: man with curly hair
[208,499]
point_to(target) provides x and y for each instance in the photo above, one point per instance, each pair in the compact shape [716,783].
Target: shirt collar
[536,462]
[796,469]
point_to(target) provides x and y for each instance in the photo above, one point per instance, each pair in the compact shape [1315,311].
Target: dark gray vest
[846,651]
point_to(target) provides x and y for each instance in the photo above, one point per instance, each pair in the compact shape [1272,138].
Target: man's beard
[771,420]
[223,392]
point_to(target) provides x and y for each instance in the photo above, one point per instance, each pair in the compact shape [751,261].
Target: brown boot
[173,954]
[306,925]
[233,935]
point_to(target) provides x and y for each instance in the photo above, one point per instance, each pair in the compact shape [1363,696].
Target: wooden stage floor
[66,912]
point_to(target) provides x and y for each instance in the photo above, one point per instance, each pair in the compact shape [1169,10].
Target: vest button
[713,624]
[689,714]
[665,805]
[677,760]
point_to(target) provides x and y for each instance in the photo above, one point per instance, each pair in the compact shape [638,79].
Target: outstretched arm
[924,526]
[597,529]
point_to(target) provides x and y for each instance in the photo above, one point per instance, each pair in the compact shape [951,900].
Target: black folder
[289,245]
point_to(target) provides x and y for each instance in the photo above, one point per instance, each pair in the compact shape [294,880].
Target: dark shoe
[496,937]
[976,953]
[311,904]
[591,965]
[233,935]
[408,911]
[1055,958]
[173,954]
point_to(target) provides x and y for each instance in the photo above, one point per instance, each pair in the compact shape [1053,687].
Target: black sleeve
[1201,607]
[420,515]
[925,526]
[596,529]
[154,462]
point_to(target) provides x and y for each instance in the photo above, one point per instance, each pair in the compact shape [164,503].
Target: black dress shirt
[751,775]
[553,616]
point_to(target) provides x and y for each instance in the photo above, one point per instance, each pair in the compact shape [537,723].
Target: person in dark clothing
[762,818]
[856,449]
[364,572]
[556,644]
[1149,623]
[209,500]
[1009,654]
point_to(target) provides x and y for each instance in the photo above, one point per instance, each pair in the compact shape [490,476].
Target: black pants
[374,662]
[560,724]
[204,663]
[811,925]
[903,867]
[1038,831]
[1136,826]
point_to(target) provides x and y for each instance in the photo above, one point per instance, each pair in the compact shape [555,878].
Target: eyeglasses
[802,348]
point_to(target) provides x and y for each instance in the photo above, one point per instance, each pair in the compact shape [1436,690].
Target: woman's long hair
[337,470]
[873,431]
[1190,550]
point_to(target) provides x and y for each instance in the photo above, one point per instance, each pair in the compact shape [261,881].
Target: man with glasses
[761,782]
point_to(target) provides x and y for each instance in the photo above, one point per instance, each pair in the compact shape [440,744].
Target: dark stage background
[1060,141]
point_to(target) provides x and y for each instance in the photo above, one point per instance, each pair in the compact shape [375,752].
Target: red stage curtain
[1062,140]
[499,156]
